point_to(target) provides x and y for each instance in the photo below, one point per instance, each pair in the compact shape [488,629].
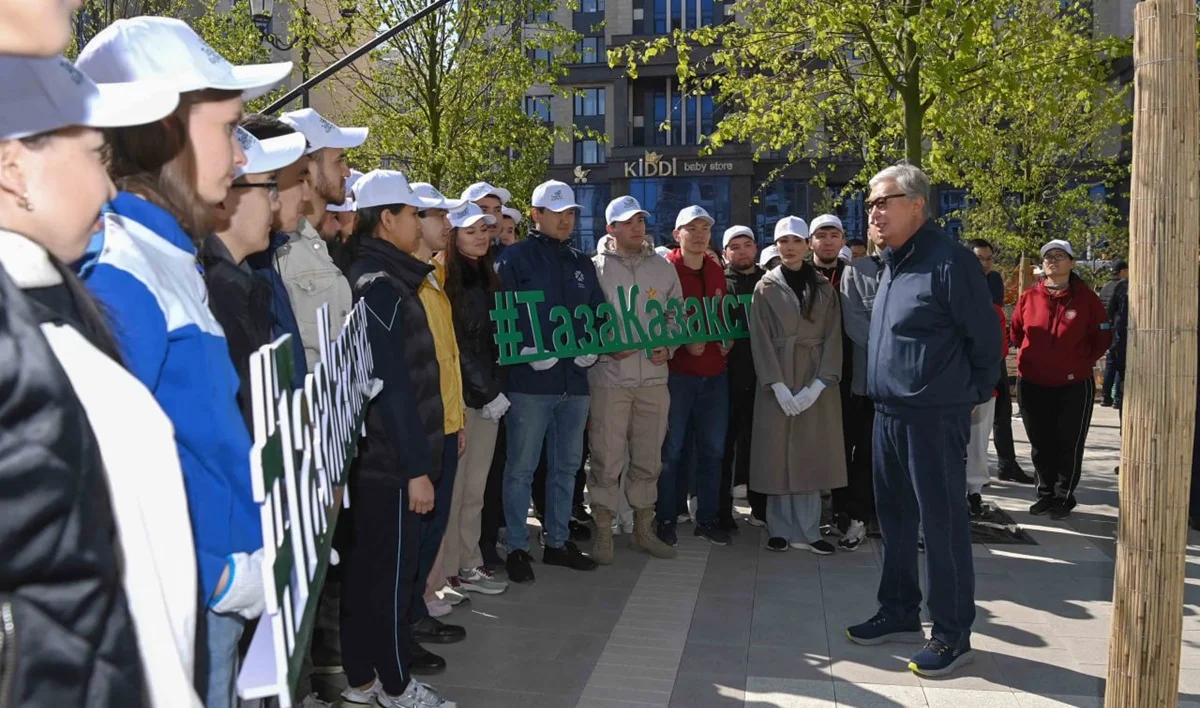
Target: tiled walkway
[741,626]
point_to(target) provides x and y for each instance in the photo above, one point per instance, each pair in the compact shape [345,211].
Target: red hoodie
[1059,338]
[708,282]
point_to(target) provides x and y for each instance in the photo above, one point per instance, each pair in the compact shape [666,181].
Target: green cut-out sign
[607,329]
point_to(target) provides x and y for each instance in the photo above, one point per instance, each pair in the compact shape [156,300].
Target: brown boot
[602,550]
[644,537]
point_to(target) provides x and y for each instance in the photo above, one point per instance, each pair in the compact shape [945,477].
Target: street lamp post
[261,12]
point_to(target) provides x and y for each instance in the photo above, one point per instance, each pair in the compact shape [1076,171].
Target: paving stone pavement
[741,627]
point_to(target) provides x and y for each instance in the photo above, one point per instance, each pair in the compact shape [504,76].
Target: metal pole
[354,55]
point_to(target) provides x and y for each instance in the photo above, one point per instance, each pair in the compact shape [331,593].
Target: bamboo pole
[1024,275]
[1160,383]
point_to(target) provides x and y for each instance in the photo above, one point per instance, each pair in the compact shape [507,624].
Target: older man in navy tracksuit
[934,340]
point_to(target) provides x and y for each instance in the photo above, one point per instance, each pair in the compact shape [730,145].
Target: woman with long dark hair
[1060,330]
[471,285]
[171,173]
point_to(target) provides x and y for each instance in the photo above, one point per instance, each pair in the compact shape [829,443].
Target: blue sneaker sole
[911,637]
[960,661]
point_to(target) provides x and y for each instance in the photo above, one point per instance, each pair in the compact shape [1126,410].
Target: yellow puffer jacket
[441,323]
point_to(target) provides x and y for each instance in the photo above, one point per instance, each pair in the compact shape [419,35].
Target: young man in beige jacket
[629,389]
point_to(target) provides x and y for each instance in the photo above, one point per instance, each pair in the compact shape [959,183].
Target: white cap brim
[780,237]
[628,215]
[561,207]
[473,219]
[345,206]
[128,104]
[274,154]
[253,80]
[343,139]
[422,203]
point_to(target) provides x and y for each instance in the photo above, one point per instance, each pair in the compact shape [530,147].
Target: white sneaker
[438,608]
[683,519]
[354,696]
[853,537]
[739,491]
[417,695]
[481,580]
[452,595]
[311,701]
[755,522]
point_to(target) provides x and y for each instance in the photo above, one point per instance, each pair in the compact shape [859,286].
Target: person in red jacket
[1060,330]
[699,389]
[982,418]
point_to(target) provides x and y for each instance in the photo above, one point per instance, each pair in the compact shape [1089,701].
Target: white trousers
[977,447]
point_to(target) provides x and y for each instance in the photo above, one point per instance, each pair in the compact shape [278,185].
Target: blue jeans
[558,420]
[701,404]
[433,527]
[920,478]
[217,660]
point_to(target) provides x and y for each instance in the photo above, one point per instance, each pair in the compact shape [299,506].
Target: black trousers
[735,468]
[492,516]
[382,560]
[857,498]
[433,528]
[1110,378]
[539,480]
[1056,420]
[1002,435]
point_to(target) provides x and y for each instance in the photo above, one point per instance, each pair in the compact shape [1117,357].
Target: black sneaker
[1062,509]
[714,533]
[728,524]
[777,544]
[1043,505]
[975,502]
[569,556]
[430,630]
[518,567]
[578,531]
[580,513]
[1012,472]
[425,662]
[821,548]
[666,534]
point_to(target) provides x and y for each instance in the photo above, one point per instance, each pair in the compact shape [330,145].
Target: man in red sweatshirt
[699,388]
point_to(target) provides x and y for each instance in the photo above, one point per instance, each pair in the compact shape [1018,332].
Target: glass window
[539,16]
[591,6]
[589,223]
[660,115]
[706,12]
[676,136]
[678,21]
[660,16]
[589,152]
[538,55]
[780,198]
[706,115]
[853,213]
[665,197]
[538,107]
[589,102]
[590,49]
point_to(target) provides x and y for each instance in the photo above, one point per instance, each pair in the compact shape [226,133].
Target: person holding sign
[401,457]
[630,401]
[796,342]
[549,397]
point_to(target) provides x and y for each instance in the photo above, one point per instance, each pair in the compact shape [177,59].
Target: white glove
[808,395]
[786,400]
[538,365]
[585,361]
[496,409]
[244,594]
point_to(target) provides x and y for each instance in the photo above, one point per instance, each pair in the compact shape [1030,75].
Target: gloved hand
[785,398]
[244,594]
[585,361]
[538,365]
[496,408]
[808,395]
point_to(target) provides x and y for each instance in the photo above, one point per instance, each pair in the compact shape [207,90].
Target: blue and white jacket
[148,279]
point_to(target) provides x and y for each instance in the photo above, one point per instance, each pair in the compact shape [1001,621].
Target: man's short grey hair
[911,180]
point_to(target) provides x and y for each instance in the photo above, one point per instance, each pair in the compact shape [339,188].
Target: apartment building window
[683,14]
[539,55]
[539,16]
[538,107]
[589,223]
[590,49]
[589,152]
[589,102]
[591,6]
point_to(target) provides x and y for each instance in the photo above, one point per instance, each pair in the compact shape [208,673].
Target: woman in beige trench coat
[796,342]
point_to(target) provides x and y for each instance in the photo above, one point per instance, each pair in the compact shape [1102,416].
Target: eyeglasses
[271,187]
[1055,257]
[881,203]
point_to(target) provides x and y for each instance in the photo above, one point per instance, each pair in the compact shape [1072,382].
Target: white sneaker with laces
[854,536]
[438,608]
[481,580]
[417,695]
[353,696]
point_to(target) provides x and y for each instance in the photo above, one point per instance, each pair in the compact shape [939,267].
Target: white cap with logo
[690,214]
[554,196]
[735,232]
[426,190]
[388,188]
[347,205]
[468,214]
[479,190]
[846,254]
[164,48]
[826,220]
[45,94]
[1059,244]
[513,214]
[321,133]
[767,254]
[791,226]
[623,209]
[270,154]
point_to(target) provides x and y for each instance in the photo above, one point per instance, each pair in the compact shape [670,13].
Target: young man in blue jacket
[550,398]
[934,337]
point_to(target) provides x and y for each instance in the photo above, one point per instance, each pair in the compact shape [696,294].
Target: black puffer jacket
[740,361]
[477,350]
[405,435]
[66,637]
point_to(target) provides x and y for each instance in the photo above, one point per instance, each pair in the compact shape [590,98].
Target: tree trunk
[1160,389]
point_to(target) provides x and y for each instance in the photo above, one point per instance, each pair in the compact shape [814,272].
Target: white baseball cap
[555,196]
[270,154]
[320,133]
[623,209]
[662,251]
[791,226]
[767,254]
[347,205]
[692,213]
[387,188]
[734,232]
[468,215]
[479,190]
[846,254]
[1060,244]
[164,48]
[514,214]
[44,94]
[826,220]
[426,190]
